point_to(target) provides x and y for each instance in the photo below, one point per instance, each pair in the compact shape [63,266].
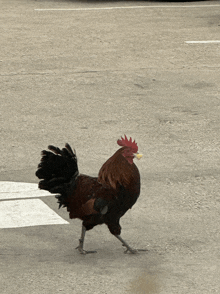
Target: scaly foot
[82,251]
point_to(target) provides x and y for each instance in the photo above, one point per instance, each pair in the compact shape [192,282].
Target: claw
[132,251]
[81,241]
[84,252]
[129,249]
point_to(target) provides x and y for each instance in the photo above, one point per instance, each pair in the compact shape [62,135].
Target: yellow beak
[138,156]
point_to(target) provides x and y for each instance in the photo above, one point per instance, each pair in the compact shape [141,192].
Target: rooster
[94,200]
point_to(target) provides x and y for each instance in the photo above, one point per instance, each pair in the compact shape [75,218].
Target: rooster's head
[130,150]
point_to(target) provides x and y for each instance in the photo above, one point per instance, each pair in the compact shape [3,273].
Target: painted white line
[26,213]
[203,42]
[12,190]
[123,7]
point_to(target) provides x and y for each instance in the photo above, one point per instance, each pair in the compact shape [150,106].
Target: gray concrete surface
[87,77]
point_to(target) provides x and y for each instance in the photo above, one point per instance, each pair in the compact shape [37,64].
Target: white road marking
[203,42]
[26,213]
[123,7]
[11,190]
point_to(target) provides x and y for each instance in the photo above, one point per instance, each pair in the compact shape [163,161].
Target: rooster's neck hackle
[117,171]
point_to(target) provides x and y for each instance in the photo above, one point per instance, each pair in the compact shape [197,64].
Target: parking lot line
[203,42]
[16,190]
[125,7]
[26,213]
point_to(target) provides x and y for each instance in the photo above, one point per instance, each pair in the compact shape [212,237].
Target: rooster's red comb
[128,143]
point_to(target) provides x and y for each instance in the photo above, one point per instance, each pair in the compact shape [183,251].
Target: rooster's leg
[133,251]
[81,241]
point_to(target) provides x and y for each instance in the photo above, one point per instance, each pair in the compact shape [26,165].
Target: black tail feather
[57,171]
[73,154]
[61,201]
[56,150]
[58,163]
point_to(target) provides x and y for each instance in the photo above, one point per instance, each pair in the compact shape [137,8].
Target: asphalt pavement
[87,72]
